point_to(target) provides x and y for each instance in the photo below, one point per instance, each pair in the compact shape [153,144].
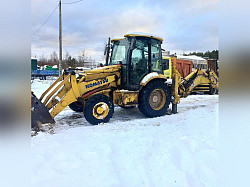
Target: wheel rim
[100,110]
[157,99]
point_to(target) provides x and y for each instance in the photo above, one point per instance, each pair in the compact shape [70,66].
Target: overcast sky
[185,25]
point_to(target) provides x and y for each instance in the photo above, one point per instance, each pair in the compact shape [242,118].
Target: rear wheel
[212,90]
[154,99]
[76,106]
[98,109]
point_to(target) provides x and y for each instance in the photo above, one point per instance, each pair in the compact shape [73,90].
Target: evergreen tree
[211,55]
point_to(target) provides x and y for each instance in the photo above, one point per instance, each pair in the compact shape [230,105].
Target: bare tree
[55,57]
[71,62]
[67,55]
[82,58]
[64,62]
[42,61]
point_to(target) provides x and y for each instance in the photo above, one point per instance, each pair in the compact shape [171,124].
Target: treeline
[209,54]
[68,61]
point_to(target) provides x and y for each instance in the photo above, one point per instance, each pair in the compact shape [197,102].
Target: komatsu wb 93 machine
[136,76]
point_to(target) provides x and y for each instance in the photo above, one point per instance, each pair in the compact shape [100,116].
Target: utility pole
[107,52]
[60,38]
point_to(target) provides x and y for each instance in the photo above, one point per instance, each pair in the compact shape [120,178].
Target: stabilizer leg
[174,108]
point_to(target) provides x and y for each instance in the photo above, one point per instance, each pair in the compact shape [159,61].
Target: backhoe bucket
[39,113]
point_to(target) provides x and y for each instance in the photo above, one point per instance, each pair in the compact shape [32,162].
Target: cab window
[156,56]
[165,63]
[119,52]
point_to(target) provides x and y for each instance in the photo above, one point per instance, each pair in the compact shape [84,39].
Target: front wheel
[154,99]
[98,109]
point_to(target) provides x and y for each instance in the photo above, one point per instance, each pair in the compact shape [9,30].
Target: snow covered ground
[131,150]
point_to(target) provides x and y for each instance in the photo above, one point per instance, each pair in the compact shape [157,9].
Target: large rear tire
[98,109]
[76,106]
[154,99]
[212,91]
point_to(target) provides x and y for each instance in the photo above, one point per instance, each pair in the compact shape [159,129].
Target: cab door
[156,56]
[139,62]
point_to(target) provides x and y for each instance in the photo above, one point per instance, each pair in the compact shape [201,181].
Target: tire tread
[144,106]
[89,107]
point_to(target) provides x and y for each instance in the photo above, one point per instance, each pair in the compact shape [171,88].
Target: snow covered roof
[143,35]
[191,57]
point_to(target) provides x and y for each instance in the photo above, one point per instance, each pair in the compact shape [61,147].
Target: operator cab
[138,55]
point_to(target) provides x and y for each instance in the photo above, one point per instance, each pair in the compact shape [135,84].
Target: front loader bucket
[39,113]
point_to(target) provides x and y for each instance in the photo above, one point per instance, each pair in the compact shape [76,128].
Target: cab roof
[116,39]
[143,35]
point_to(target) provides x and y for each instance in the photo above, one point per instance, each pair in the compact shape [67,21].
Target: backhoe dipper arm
[194,79]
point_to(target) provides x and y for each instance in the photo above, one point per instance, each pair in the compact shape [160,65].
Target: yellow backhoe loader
[134,77]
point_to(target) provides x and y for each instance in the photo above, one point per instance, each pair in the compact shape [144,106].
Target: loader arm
[72,87]
[61,94]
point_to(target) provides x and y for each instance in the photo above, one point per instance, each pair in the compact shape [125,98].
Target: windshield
[119,51]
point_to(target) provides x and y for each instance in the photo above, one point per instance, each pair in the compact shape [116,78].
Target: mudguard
[151,76]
